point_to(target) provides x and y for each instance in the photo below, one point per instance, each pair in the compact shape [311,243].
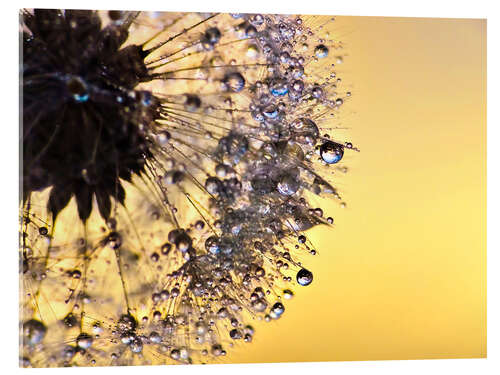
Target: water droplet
[165,248]
[155,337]
[84,340]
[116,15]
[213,185]
[305,131]
[173,177]
[136,345]
[304,277]
[331,152]
[260,272]
[250,31]
[252,50]
[259,304]
[183,241]
[114,240]
[277,310]
[278,88]
[234,82]
[284,57]
[78,89]
[288,294]
[212,35]
[175,354]
[212,245]
[321,51]
[127,323]
[70,320]
[216,350]
[317,92]
[258,19]
[288,184]
[221,170]
[298,86]
[34,331]
[235,334]
[192,102]
[76,274]
[271,111]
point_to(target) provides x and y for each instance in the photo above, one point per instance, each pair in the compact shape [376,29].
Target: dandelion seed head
[173,220]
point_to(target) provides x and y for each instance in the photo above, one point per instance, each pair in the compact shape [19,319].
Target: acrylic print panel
[234,188]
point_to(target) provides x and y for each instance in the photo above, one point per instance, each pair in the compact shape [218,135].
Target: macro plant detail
[170,162]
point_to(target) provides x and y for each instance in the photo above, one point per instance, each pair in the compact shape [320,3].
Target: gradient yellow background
[403,274]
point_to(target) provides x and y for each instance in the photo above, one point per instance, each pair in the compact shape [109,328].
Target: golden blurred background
[403,273]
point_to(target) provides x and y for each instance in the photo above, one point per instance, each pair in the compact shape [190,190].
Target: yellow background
[403,274]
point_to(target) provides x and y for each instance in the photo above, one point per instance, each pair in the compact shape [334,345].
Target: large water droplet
[305,131]
[288,184]
[304,277]
[34,331]
[331,152]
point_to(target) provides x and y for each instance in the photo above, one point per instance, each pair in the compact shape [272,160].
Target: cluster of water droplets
[211,240]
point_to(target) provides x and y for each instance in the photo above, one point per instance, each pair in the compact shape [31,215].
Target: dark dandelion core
[81,113]
[183,157]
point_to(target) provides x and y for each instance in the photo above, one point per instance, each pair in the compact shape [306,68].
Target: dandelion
[168,164]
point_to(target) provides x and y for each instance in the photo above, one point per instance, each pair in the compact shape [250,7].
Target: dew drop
[78,89]
[305,131]
[321,51]
[136,345]
[277,310]
[331,152]
[288,294]
[278,88]
[84,340]
[212,245]
[288,184]
[317,92]
[234,82]
[212,35]
[116,15]
[252,50]
[34,331]
[304,277]
[192,103]
[235,334]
